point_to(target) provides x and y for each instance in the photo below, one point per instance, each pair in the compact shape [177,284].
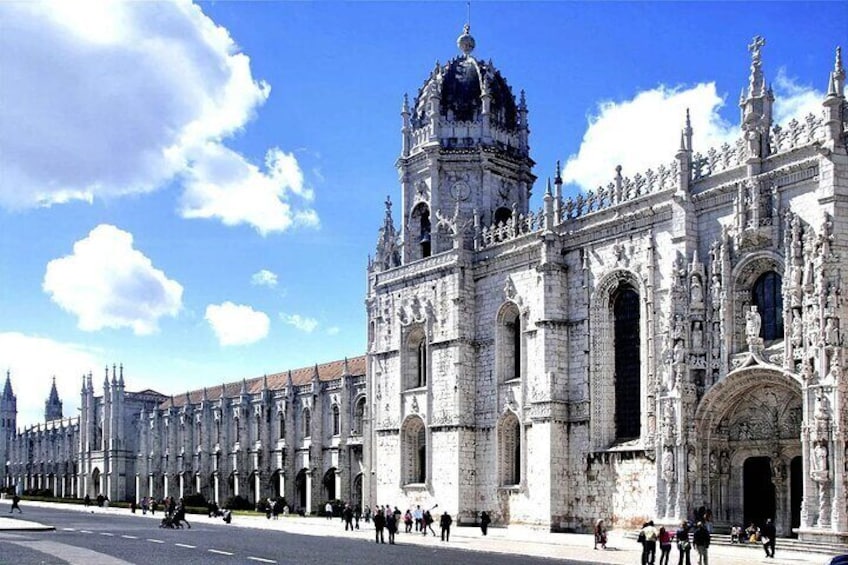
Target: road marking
[129,537]
[155,540]
[107,534]
[261,560]
[185,545]
[219,552]
[86,532]
[70,553]
[69,529]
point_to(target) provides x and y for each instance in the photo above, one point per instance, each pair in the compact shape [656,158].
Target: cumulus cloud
[32,361]
[143,93]
[645,131]
[236,324]
[107,283]
[333,330]
[302,323]
[264,278]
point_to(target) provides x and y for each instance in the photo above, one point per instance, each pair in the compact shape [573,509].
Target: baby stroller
[168,522]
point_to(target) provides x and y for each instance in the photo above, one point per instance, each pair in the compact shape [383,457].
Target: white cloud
[33,361]
[236,324]
[304,324]
[107,283]
[645,131]
[221,184]
[264,278]
[142,94]
[333,330]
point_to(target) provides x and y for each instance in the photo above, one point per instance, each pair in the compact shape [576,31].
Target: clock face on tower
[460,190]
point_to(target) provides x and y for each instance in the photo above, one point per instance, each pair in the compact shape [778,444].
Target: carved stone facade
[296,434]
[668,341]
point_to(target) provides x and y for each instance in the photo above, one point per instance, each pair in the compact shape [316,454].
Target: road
[114,539]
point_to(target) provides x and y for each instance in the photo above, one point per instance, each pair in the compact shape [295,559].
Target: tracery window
[416,357]
[767,297]
[307,423]
[509,449]
[358,416]
[414,450]
[510,343]
[336,420]
[420,228]
[627,363]
[282,425]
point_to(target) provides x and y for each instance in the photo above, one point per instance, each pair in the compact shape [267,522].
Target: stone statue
[696,291]
[713,463]
[753,322]
[715,290]
[797,338]
[835,369]
[679,330]
[776,466]
[697,336]
[819,461]
[679,353]
[725,462]
[831,332]
[668,465]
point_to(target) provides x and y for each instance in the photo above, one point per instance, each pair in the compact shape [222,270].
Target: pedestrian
[407,521]
[328,510]
[445,523]
[86,501]
[153,505]
[418,516]
[145,504]
[379,524]
[347,516]
[767,535]
[649,543]
[392,526]
[228,516]
[398,518]
[367,514]
[665,545]
[357,514]
[600,534]
[683,546]
[16,504]
[132,506]
[702,543]
[484,522]
[428,523]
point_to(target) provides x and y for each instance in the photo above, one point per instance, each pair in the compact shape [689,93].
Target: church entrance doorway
[796,474]
[758,491]
[300,488]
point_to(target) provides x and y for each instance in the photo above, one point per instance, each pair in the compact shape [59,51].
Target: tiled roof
[276,381]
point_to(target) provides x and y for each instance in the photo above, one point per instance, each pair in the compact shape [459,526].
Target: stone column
[216,494]
[282,479]
[182,484]
[257,482]
[308,493]
[137,489]
[165,493]
[337,478]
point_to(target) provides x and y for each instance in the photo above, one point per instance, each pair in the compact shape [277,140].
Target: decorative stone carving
[819,472]
[668,465]
[696,292]
[415,404]
[752,324]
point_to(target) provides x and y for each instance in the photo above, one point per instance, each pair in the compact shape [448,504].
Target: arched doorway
[356,497]
[300,489]
[758,491]
[748,429]
[330,484]
[95,481]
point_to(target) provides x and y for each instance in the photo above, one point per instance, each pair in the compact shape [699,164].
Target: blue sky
[193,190]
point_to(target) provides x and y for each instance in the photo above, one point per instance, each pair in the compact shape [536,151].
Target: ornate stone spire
[836,85]
[756,82]
[388,250]
[7,390]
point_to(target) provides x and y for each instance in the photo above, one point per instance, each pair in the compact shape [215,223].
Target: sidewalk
[517,540]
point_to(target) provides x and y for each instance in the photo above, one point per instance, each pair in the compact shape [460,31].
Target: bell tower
[465,155]
[8,424]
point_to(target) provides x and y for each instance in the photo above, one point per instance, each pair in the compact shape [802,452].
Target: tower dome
[469,92]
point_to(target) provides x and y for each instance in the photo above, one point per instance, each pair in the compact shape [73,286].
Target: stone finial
[405,108]
[756,82]
[466,42]
[558,174]
[836,84]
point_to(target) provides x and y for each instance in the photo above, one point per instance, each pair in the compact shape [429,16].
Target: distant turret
[53,406]
[8,423]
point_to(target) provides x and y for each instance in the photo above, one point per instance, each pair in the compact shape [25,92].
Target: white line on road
[261,560]
[155,540]
[86,532]
[129,537]
[219,552]
[107,534]
[185,545]
[69,529]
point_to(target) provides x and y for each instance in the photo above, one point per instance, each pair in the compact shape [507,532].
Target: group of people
[685,537]
[174,514]
[752,534]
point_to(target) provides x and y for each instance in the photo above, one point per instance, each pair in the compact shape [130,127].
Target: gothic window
[282,425]
[217,431]
[627,366]
[199,434]
[420,229]
[416,356]
[510,343]
[307,423]
[510,451]
[766,296]
[358,416]
[257,436]
[414,451]
[336,420]
[235,429]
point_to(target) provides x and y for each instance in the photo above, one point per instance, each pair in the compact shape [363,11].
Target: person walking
[600,534]
[347,514]
[684,548]
[379,524]
[767,535]
[664,537]
[391,526]
[484,522]
[328,510]
[418,516]
[445,523]
[407,521]
[649,543]
[428,523]
[357,514]
[16,504]
[702,543]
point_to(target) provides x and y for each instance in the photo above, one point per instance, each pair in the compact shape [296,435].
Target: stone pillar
[337,478]
[308,493]
[216,494]
[257,482]
[282,479]
[197,482]
[235,483]
[182,485]
[137,489]
[165,493]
